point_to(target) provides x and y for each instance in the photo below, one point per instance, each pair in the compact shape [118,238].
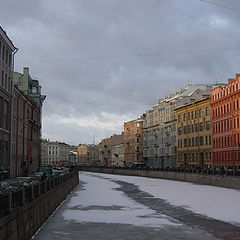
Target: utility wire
[131,55]
[193,18]
[220,5]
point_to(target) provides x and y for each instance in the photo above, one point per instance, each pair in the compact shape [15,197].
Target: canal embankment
[23,212]
[218,180]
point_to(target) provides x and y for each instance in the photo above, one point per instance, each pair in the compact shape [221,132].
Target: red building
[225,104]
[26,128]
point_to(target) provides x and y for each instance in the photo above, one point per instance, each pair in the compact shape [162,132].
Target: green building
[29,86]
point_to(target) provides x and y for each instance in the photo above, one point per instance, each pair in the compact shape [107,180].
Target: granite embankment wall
[214,180]
[22,223]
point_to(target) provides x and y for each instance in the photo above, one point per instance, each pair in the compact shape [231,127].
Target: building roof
[191,103]
[188,91]
[7,39]
[136,120]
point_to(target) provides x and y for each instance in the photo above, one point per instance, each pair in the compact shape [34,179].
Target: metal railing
[12,200]
[206,171]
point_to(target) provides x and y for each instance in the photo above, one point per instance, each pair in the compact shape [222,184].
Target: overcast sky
[104,62]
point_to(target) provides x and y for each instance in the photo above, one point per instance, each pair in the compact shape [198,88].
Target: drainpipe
[11,109]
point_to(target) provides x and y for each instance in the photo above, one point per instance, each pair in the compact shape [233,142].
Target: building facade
[82,153]
[93,154]
[104,152]
[7,51]
[160,128]
[225,125]
[26,127]
[105,149]
[44,152]
[133,142]
[117,150]
[194,135]
[72,158]
[118,155]
[57,153]
[30,88]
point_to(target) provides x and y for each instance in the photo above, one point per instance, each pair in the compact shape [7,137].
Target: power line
[193,18]
[220,5]
[132,55]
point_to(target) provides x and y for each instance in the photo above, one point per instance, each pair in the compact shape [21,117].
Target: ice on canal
[100,202]
[107,206]
[215,202]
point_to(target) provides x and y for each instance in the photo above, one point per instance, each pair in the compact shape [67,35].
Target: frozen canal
[117,207]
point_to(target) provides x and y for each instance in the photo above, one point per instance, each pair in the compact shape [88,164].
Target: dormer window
[34,90]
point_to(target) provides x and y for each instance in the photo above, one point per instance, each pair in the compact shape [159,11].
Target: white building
[160,127]
[57,153]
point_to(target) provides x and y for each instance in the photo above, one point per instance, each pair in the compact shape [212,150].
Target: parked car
[4,186]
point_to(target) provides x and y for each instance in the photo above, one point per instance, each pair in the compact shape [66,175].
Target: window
[192,142]
[196,114]
[34,90]
[185,142]
[6,81]
[208,111]
[185,117]
[192,115]
[192,128]
[179,131]
[201,141]
[196,127]
[1,113]
[10,60]
[208,125]
[185,129]
[206,140]
[189,117]
[210,140]
[2,78]
[201,126]
[189,142]
[6,56]
[200,112]
[179,119]
[196,141]
[3,53]
[6,120]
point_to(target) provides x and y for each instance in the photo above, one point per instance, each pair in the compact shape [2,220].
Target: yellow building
[194,135]
[82,154]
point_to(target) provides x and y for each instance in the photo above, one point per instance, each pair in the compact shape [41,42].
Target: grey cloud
[63,41]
